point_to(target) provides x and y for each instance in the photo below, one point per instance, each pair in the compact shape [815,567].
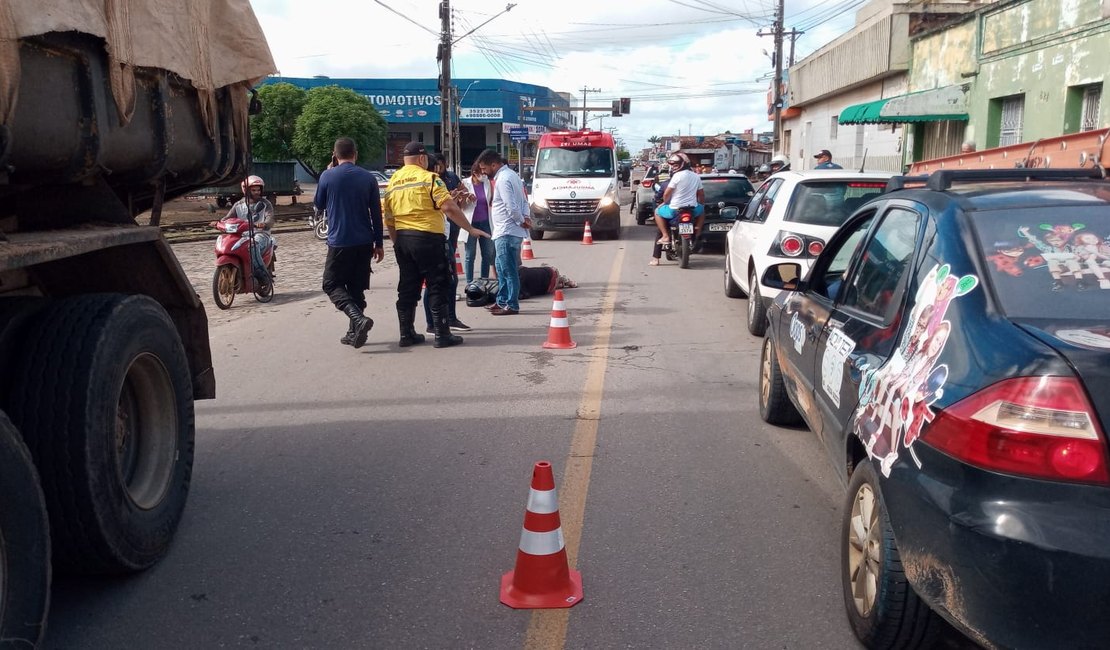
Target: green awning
[949,103]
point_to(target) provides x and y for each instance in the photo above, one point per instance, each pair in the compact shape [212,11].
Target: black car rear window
[729,190]
[1048,263]
[828,203]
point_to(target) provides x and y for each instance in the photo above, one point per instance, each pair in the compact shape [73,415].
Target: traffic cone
[542,577]
[526,252]
[558,333]
[587,235]
[458,264]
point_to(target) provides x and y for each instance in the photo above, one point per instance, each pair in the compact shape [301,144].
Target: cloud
[685,68]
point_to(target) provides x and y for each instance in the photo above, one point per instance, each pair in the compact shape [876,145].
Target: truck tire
[24,544]
[106,409]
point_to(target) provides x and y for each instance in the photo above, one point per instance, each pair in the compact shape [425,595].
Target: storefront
[487,109]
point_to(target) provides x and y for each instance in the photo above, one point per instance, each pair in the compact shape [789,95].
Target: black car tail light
[1039,427]
[648,182]
[788,244]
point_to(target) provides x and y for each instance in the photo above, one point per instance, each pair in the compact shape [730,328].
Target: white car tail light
[1040,427]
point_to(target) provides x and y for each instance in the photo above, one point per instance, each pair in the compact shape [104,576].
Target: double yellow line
[547,628]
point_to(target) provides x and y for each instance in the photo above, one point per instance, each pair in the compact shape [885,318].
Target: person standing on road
[349,193]
[824,160]
[438,164]
[510,224]
[416,201]
[478,211]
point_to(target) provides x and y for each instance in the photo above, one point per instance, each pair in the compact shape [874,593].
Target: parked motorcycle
[318,220]
[235,272]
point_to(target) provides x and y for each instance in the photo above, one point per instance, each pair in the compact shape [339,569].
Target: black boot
[360,325]
[349,336]
[444,337]
[407,317]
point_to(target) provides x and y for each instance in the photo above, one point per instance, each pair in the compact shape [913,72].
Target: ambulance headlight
[538,201]
[606,201]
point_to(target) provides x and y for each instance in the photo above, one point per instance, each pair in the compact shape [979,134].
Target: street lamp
[456,146]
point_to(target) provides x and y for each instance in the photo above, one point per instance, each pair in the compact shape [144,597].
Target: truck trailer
[107,110]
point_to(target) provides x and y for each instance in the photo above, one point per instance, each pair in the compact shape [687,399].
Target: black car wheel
[757,311]
[775,406]
[732,290]
[883,609]
[536,234]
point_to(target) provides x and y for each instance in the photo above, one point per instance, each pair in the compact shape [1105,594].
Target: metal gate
[1092,100]
[942,138]
[1013,114]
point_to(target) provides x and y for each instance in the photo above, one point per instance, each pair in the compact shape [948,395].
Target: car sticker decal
[1074,257]
[1098,338]
[797,333]
[896,398]
[837,349]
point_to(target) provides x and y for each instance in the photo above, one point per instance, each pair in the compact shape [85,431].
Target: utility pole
[793,34]
[445,94]
[584,91]
[777,33]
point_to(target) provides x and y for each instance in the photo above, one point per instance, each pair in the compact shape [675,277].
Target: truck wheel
[225,284]
[221,201]
[106,408]
[24,544]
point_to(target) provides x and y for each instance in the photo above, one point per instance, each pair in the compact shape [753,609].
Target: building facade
[487,109]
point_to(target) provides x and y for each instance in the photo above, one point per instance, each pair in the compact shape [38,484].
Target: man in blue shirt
[354,211]
[824,160]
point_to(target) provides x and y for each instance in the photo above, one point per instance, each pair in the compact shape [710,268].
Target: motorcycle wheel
[225,284]
[684,252]
[321,229]
[265,292]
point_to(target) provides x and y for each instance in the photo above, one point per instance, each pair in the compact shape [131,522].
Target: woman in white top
[477,212]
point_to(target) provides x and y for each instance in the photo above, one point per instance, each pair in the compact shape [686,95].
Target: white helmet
[678,161]
[252,180]
[780,160]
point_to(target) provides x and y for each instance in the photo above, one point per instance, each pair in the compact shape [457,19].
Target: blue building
[488,108]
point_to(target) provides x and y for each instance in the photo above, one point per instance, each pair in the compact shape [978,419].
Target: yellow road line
[547,628]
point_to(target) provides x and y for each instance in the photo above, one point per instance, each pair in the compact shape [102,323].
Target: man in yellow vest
[415,203]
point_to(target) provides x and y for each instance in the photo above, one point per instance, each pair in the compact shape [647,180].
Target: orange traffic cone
[558,333]
[542,577]
[587,235]
[458,264]
[526,252]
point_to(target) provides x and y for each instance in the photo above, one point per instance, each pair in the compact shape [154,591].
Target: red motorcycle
[235,273]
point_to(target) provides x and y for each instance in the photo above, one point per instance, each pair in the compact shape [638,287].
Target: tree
[272,130]
[655,139]
[332,112]
[622,154]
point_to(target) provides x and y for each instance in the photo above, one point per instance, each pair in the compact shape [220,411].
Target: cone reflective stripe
[587,235]
[558,332]
[458,264]
[526,253]
[542,577]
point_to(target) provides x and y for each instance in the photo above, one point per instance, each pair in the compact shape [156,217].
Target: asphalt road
[373,498]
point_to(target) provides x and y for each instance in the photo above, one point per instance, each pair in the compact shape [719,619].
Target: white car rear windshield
[1048,264]
[828,203]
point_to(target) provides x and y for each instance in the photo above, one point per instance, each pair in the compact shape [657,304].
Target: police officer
[416,201]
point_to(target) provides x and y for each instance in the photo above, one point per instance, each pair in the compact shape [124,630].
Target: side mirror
[785,276]
[731,212]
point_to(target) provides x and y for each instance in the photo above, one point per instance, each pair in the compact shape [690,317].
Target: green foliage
[272,130]
[332,112]
[622,154]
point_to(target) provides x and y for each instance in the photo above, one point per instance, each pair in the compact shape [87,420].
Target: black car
[950,347]
[723,191]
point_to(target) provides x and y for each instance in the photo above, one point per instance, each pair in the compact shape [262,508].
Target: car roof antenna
[863,162]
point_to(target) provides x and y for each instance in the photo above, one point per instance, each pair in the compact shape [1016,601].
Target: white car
[790,218]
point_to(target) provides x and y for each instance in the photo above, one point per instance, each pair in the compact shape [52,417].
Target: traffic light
[616,108]
[626,105]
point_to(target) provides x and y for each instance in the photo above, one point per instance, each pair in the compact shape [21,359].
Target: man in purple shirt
[350,196]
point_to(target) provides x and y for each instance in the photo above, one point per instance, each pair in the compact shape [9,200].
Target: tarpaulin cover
[212,43]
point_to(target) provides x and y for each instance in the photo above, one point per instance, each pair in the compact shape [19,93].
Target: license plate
[685,228]
[719,227]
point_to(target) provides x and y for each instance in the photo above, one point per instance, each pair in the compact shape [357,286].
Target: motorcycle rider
[684,190]
[259,211]
[780,163]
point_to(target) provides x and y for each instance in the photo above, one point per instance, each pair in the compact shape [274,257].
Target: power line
[433,33]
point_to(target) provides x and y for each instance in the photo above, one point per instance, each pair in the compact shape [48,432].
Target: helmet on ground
[678,161]
[253,181]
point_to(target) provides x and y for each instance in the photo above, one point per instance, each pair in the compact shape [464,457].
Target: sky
[689,66]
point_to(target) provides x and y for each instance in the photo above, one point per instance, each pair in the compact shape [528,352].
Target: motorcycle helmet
[253,181]
[764,169]
[779,163]
[678,161]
